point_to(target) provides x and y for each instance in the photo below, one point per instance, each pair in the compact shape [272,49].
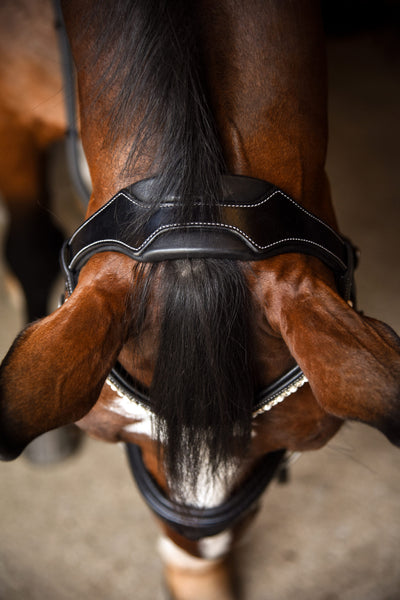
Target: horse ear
[352,362]
[54,372]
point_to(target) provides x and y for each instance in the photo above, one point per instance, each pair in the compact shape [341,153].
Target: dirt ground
[78,529]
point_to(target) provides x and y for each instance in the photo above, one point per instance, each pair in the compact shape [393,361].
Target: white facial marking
[216,546]
[125,407]
[211,489]
[173,555]
[143,427]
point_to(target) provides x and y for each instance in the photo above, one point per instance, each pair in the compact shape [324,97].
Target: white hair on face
[213,550]
[211,489]
[123,405]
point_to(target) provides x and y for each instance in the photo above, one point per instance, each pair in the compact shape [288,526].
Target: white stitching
[263,201]
[134,201]
[172,226]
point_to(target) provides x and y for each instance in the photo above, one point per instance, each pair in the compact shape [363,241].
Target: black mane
[159,105]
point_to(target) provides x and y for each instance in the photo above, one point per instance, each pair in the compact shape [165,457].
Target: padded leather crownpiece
[257,220]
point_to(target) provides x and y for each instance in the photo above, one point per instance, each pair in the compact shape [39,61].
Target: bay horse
[209,318]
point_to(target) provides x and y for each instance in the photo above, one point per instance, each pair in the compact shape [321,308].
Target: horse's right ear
[54,372]
[352,362]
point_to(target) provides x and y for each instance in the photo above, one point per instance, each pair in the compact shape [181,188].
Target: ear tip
[8,453]
[10,448]
[391,428]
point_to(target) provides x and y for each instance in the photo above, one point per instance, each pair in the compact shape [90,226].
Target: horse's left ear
[352,362]
[54,372]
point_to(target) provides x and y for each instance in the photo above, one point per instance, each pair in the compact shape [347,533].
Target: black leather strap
[196,523]
[130,387]
[257,220]
[267,395]
[72,134]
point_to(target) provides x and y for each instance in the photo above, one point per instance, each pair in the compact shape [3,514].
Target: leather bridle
[257,221]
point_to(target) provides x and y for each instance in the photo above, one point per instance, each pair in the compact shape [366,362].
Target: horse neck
[267,76]
[142,101]
[264,73]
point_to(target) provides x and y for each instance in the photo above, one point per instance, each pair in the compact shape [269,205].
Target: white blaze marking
[173,555]
[125,407]
[211,489]
[216,546]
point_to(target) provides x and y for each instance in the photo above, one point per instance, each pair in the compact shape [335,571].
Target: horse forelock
[202,384]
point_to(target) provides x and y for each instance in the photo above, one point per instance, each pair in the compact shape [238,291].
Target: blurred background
[78,528]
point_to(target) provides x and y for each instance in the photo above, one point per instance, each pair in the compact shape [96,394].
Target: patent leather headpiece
[257,221]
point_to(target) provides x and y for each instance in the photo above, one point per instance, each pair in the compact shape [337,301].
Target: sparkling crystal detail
[285,393]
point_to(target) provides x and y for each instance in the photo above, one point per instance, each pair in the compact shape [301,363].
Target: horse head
[187,94]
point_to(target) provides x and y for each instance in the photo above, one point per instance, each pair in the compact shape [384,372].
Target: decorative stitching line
[173,226]
[134,201]
[95,214]
[260,203]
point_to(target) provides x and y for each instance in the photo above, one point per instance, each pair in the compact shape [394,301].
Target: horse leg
[33,241]
[32,245]
[200,570]
[206,569]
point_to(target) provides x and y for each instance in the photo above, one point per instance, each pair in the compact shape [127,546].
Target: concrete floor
[78,529]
